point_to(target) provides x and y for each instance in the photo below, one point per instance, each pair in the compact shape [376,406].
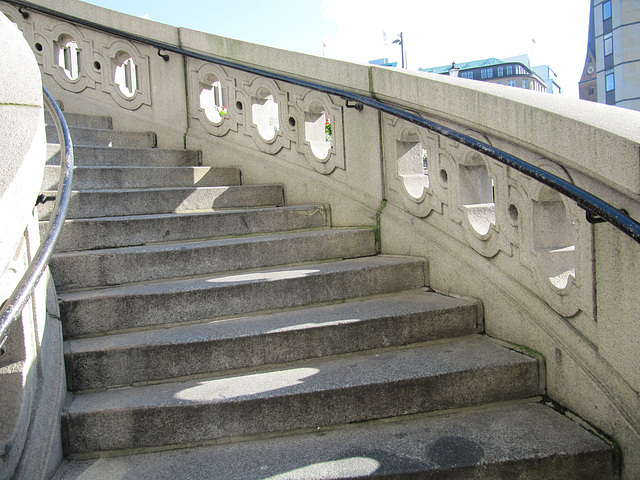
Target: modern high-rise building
[611,72]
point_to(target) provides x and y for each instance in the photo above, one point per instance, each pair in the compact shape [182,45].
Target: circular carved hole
[292,122]
[239,105]
[513,213]
[444,176]
[39,47]
[97,65]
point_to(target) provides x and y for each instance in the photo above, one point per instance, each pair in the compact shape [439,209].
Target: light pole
[401,42]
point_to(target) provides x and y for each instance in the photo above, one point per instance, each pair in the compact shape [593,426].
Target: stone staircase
[214,332]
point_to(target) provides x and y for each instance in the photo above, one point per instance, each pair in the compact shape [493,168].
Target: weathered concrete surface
[91,178]
[42,452]
[590,146]
[22,127]
[31,365]
[99,268]
[82,120]
[184,300]
[104,137]
[109,203]
[109,232]
[459,373]
[386,321]
[458,445]
[122,156]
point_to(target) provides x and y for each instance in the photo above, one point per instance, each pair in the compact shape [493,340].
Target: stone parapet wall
[548,279]
[32,385]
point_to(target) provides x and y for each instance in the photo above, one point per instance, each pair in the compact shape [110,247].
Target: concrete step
[187,300]
[515,441]
[331,391]
[122,202]
[110,232]
[96,137]
[100,268]
[81,120]
[148,356]
[133,157]
[94,178]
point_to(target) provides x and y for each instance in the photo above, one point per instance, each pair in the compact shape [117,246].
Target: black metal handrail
[13,306]
[595,207]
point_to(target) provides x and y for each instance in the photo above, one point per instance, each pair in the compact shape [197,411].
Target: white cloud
[145,16]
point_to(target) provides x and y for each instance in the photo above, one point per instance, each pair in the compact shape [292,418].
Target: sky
[435,33]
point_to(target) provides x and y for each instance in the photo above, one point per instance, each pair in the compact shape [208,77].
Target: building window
[608,44]
[606,10]
[509,70]
[592,91]
[610,81]
[483,73]
[525,84]
[500,71]
[512,83]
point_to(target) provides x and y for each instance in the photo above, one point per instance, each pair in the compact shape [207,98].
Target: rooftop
[464,66]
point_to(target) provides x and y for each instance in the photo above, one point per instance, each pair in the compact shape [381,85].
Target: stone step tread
[97,268]
[200,242]
[82,120]
[118,231]
[177,301]
[171,189]
[436,359]
[122,156]
[136,201]
[218,346]
[223,279]
[100,137]
[530,440]
[96,177]
[463,372]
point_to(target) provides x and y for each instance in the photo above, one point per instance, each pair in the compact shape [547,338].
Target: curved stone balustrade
[32,384]
[547,279]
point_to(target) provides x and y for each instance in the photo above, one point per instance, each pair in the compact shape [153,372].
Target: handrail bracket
[357,105]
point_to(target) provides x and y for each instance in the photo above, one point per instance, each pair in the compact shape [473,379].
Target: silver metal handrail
[13,306]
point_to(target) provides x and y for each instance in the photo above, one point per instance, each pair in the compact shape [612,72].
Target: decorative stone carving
[214,103]
[478,181]
[79,59]
[496,209]
[319,123]
[66,56]
[410,155]
[127,71]
[265,115]
[555,239]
